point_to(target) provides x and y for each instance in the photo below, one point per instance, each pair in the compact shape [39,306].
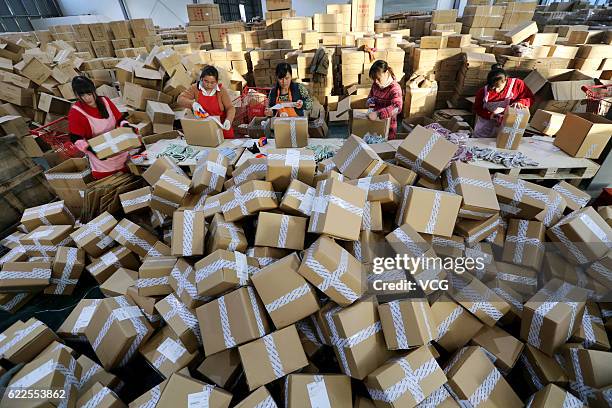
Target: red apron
[213,106]
[488,127]
[290,112]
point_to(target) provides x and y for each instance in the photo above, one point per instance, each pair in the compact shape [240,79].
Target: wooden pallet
[552,162]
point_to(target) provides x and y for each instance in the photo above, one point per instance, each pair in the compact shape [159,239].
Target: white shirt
[209,93]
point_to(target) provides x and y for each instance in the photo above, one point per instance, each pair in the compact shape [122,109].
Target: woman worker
[385,97]
[491,101]
[90,116]
[287,91]
[207,97]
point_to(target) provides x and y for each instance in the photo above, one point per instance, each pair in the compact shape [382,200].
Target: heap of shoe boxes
[259,271]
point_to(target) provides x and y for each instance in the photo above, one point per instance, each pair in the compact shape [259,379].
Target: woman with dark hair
[492,100]
[207,97]
[90,116]
[385,98]
[285,91]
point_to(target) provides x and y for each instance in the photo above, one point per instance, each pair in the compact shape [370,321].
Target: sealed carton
[407,323]
[285,165]
[455,326]
[101,396]
[136,200]
[425,152]
[474,184]
[436,217]
[166,353]
[223,270]
[291,132]
[183,282]
[119,257]
[231,320]
[134,237]
[280,231]
[306,390]
[420,99]
[298,199]
[553,396]
[225,235]
[47,214]
[361,125]
[184,391]
[286,295]
[210,172]
[67,267]
[23,341]
[503,346]
[518,197]
[512,128]
[114,142]
[25,276]
[119,282]
[248,199]
[94,373]
[222,368]
[478,298]
[172,187]
[357,159]
[188,232]
[584,135]
[521,32]
[547,122]
[272,357]
[524,244]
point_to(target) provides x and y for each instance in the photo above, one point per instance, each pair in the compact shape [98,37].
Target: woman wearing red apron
[208,98]
[91,116]
[288,92]
[491,101]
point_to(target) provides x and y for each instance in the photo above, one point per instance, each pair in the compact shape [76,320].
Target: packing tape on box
[414,248]
[112,142]
[240,199]
[452,183]
[178,308]
[600,270]
[13,302]
[40,211]
[471,240]
[484,390]
[183,283]
[479,214]
[366,219]
[200,399]
[596,229]
[154,399]
[317,393]
[522,280]
[479,301]
[183,187]
[417,164]
[321,201]
[375,170]
[250,170]
[151,282]
[514,130]
[234,232]
[130,237]
[449,320]
[386,185]
[331,278]
[447,243]
[587,326]
[581,201]
[357,252]
[520,240]
[306,199]
[68,176]
[520,189]
[435,211]
[553,211]
[97,398]
[341,343]
[13,255]
[288,298]
[217,170]
[19,336]
[533,375]
[327,167]
[188,219]
[273,357]
[165,202]
[283,230]
[240,264]
[143,199]
[88,375]
[577,385]
[258,317]
[226,330]
[128,312]
[436,398]
[508,298]
[569,245]
[47,368]
[94,227]
[410,382]
[64,280]
[398,325]
[361,146]
[550,302]
[35,273]
[169,350]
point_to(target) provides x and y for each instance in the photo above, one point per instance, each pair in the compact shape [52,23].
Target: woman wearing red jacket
[491,101]
[90,116]
[385,98]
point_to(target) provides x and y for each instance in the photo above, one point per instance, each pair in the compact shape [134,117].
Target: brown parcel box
[222,368]
[285,165]
[455,327]
[524,244]
[361,125]
[584,135]
[429,211]
[575,198]
[188,232]
[114,142]
[248,199]
[547,122]
[153,276]
[119,257]
[134,237]
[161,115]
[183,391]
[518,197]
[55,213]
[136,200]
[418,367]
[231,320]
[210,172]
[257,399]
[328,390]
[595,336]
[505,347]
[225,235]
[280,231]
[554,396]
[471,372]
[222,271]
[285,294]
[182,280]
[298,199]
[166,353]
[137,96]
[478,298]
[22,342]
[557,92]
[290,132]
[474,184]
[272,357]
[67,267]
[512,128]
[407,323]
[119,282]
[552,315]
[333,271]
[420,99]
[100,395]
[116,331]
[202,132]
[356,159]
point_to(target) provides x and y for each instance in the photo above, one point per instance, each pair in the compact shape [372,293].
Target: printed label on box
[125,313]
[171,349]
[317,393]
[85,317]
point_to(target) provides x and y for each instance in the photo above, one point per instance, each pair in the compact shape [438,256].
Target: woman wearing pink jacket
[385,98]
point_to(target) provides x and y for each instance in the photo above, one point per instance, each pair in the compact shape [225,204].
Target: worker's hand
[518,105]
[196,107]
[268,112]
[299,104]
[226,125]
[498,111]
[372,115]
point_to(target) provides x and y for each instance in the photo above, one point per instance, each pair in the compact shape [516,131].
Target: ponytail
[378,67]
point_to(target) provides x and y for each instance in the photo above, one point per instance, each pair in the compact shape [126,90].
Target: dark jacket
[295,96]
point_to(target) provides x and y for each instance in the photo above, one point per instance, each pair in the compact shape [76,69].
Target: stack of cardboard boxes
[345,12]
[201,16]
[219,32]
[482,21]
[443,21]
[517,13]
[275,11]
[293,27]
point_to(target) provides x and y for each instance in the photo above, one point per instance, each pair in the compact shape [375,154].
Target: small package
[502,345]
[99,396]
[25,276]
[225,235]
[209,173]
[512,128]
[67,267]
[272,357]
[165,352]
[478,299]
[518,197]
[188,232]
[154,276]
[183,391]
[119,257]
[202,132]
[183,282]
[48,214]
[429,211]
[524,243]
[333,271]
[22,342]
[136,200]
[280,231]
[172,187]
[356,159]
[44,240]
[575,198]
[285,165]
[248,199]
[332,390]
[290,132]
[455,326]
[222,271]
[285,294]
[298,199]
[114,142]
[231,320]
[407,323]
[134,237]
[93,236]
[474,184]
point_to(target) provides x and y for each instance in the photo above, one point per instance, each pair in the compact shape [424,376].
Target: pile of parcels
[266,272]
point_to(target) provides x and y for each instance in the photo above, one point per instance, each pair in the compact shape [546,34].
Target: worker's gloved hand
[226,125]
[82,145]
[198,110]
[499,111]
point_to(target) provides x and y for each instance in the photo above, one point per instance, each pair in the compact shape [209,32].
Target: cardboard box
[455,328]
[557,92]
[114,142]
[361,125]
[398,316]
[66,270]
[553,395]
[182,321]
[153,276]
[291,132]
[280,231]
[323,261]
[584,135]
[202,132]
[25,276]
[44,240]
[527,205]
[439,221]
[231,320]
[306,389]
[574,197]
[182,390]
[106,265]
[273,284]
[259,197]
[557,302]
[547,122]
[222,368]
[285,165]
[362,15]
[298,199]
[137,96]
[436,158]
[474,184]
[36,71]
[357,159]
[512,128]
[223,270]
[274,5]
[329,217]
[524,244]
[55,213]
[134,237]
